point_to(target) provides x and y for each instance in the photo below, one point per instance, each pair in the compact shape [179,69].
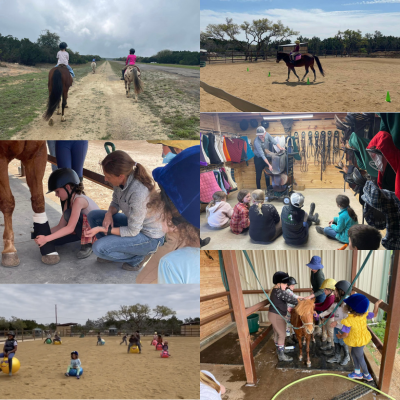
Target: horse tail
[55,95]
[319,66]
[137,82]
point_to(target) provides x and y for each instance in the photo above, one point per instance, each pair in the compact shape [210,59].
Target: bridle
[305,323]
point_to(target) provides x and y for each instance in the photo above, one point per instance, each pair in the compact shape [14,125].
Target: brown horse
[60,81]
[33,155]
[302,317]
[307,61]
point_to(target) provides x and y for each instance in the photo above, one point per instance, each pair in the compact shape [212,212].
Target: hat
[328,284]
[358,302]
[343,285]
[260,131]
[280,277]
[180,180]
[315,263]
[61,177]
[291,281]
[297,41]
[297,200]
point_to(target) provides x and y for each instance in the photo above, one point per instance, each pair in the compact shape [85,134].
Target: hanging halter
[316,152]
[303,165]
[310,150]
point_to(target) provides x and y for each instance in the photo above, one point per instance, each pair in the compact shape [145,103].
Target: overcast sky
[77,303]
[108,28]
[322,18]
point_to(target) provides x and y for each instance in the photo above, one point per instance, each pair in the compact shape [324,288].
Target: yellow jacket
[359,335]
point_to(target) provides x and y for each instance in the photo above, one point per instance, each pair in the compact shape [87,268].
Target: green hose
[340,376]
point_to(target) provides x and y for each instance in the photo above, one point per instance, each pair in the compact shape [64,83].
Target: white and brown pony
[93,65]
[132,74]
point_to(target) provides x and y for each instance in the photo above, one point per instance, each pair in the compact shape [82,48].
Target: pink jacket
[219,214]
[131,59]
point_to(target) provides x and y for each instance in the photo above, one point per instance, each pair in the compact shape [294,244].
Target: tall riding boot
[281,354]
[346,358]
[314,218]
[312,209]
[10,366]
[123,73]
[336,356]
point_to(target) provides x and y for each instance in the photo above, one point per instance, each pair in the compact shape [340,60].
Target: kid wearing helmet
[290,331]
[130,60]
[295,52]
[63,57]
[76,206]
[355,333]
[9,350]
[280,297]
[75,364]
[296,222]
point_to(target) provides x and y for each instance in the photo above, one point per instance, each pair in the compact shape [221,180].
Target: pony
[302,316]
[93,65]
[33,155]
[60,80]
[307,60]
[133,75]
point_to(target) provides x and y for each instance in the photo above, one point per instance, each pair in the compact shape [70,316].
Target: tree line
[44,50]
[170,57]
[265,35]
[127,319]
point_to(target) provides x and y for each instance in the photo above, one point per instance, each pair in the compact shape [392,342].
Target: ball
[49,341]
[134,349]
[164,354]
[159,347]
[73,371]
[154,342]
[15,365]
[57,342]
[103,342]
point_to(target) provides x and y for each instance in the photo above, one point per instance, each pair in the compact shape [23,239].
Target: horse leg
[294,71]
[315,75]
[308,351]
[299,337]
[9,256]
[305,75]
[64,103]
[34,168]
[58,108]
[288,75]
[126,88]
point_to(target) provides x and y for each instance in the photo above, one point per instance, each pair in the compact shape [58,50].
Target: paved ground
[70,269]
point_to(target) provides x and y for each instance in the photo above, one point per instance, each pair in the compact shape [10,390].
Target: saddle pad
[235,148]
[226,153]
[278,163]
[249,150]
[208,186]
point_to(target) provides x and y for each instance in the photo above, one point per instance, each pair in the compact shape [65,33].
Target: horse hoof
[309,364]
[51,122]
[58,112]
[51,259]
[63,119]
[9,260]
[66,106]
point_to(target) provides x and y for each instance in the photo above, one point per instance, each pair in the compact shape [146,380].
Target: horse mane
[305,307]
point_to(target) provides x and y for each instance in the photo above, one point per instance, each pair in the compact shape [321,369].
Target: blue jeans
[129,249]
[330,232]
[70,70]
[72,154]
[10,356]
[335,338]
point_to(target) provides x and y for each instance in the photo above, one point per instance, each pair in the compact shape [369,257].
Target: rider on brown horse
[295,52]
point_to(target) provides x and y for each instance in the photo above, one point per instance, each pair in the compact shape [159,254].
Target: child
[328,285]
[341,288]
[56,338]
[165,348]
[364,237]
[9,350]
[280,298]
[355,333]
[219,211]
[99,340]
[240,218]
[63,58]
[265,223]
[134,341]
[290,331]
[159,340]
[124,340]
[338,227]
[210,388]
[75,364]
[76,206]
[47,338]
[154,338]
[130,60]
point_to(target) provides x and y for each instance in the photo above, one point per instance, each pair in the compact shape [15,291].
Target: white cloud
[373,2]
[315,22]
[125,46]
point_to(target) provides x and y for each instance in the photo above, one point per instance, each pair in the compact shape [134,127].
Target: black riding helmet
[63,45]
[343,285]
[60,178]
[11,333]
[291,281]
[280,277]
[74,352]
[132,51]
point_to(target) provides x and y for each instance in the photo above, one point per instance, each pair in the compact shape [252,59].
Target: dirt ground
[15,69]
[149,155]
[108,371]
[350,84]
[98,109]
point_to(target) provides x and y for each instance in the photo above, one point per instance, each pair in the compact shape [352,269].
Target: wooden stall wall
[246,175]
[210,283]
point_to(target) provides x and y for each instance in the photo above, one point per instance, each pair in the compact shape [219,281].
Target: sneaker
[85,251]
[368,377]
[128,267]
[204,242]
[103,260]
[78,377]
[66,374]
[319,230]
[353,375]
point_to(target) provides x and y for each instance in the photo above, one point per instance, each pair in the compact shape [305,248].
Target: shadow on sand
[296,83]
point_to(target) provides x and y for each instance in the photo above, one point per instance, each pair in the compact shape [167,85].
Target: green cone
[388,97]
[308,81]
[269,73]
[247,70]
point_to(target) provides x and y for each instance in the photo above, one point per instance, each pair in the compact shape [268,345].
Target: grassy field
[173,100]
[175,65]
[23,96]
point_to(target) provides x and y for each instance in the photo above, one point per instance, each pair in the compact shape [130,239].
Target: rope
[223,272]
[337,305]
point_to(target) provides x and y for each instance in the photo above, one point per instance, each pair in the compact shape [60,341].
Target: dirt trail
[98,109]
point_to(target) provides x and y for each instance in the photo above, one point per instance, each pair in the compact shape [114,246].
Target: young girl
[130,60]
[265,223]
[328,286]
[341,288]
[75,364]
[154,338]
[280,298]
[165,347]
[356,334]
[240,217]
[134,341]
[338,227]
[99,340]
[76,206]
[290,331]
[63,57]
[210,388]
[159,340]
[56,338]
[124,340]
[219,212]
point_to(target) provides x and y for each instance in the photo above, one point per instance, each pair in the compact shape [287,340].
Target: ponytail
[78,189]
[217,196]
[344,202]
[258,199]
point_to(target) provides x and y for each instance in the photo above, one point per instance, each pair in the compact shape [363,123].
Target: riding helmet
[328,284]
[61,177]
[74,352]
[63,45]
[265,124]
[132,51]
[280,277]
[343,285]
[358,302]
[11,333]
[291,281]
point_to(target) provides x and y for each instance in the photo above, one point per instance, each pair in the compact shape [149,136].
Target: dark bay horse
[33,155]
[307,61]
[302,317]
[60,81]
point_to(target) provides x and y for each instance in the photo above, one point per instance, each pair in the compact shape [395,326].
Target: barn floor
[70,269]
[270,380]
[325,206]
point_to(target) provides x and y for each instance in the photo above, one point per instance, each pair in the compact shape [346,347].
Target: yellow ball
[134,349]
[15,365]
[56,342]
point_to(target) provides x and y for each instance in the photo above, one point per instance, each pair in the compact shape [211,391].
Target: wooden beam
[354,264]
[213,296]
[213,317]
[377,342]
[256,307]
[372,299]
[260,338]
[392,327]
[232,273]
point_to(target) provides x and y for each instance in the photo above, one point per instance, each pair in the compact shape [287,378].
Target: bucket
[252,321]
